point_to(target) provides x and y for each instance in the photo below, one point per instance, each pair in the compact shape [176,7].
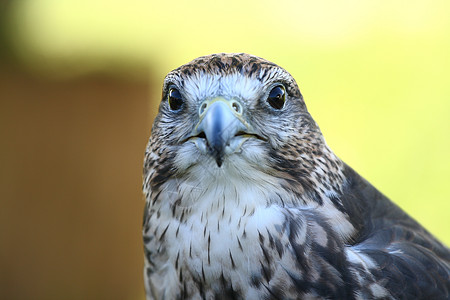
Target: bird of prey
[245,200]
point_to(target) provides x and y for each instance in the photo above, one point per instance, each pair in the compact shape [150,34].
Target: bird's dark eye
[277,97]
[175,100]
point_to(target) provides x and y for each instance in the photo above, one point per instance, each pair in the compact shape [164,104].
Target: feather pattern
[283,217]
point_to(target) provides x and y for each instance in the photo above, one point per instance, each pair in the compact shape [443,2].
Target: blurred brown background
[80,83]
[71,156]
[70,185]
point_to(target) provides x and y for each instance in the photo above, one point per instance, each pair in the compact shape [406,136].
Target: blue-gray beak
[220,121]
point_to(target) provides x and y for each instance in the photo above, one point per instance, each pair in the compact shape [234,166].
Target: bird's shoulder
[390,248]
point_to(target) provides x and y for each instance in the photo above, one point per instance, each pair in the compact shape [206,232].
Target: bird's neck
[222,192]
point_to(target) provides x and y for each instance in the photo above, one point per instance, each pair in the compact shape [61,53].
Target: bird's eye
[175,100]
[277,97]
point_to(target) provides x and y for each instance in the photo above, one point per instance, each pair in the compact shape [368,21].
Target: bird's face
[232,115]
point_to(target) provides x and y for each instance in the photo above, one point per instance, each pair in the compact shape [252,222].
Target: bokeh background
[80,84]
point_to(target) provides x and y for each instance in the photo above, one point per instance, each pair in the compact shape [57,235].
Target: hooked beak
[220,123]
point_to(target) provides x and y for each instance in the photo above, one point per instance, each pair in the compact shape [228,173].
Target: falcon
[245,200]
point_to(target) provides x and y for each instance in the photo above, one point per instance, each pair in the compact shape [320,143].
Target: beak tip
[218,157]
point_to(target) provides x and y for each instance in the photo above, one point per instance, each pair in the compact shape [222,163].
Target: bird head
[236,116]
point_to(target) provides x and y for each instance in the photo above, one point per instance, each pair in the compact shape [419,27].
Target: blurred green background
[80,84]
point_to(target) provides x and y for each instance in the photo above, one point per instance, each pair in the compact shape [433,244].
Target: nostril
[203,107]
[236,106]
